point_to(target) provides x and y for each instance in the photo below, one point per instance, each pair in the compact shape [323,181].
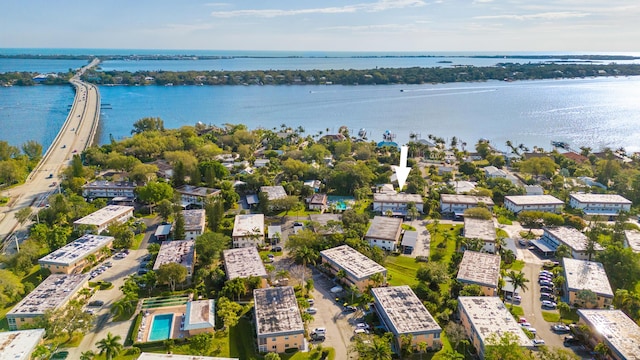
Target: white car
[336,289]
[362,326]
[515,298]
[538,342]
[360,331]
[320,331]
[311,310]
[525,324]
[549,304]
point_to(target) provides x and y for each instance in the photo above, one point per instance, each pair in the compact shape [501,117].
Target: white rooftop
[633,239]
[571,237]
[178,251]
[154,356]
[193,219]
[200,315]
[479,229]
[465,199]
[488,315]
[479,268]
[18,345]
[385,228]
[274,192]
[104,215]
[197,191]
[243,262]
[620,333]
[534,200]
[272,230]
[277,311]
[586,275]
[404,310]
[600,198]
[397,198]
[353,262]
[77,250]
[462,186]
[248,224]
[50,294]
[99,184]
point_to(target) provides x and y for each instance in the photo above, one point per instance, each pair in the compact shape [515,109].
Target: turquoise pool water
[161,327]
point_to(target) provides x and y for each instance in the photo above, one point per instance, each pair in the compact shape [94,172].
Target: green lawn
[401,270]
[137,240]
[441,251]
[550,317]
[517,311]
[32,277]
[517,265]
[241,344]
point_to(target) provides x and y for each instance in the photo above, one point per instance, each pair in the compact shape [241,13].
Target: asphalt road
[75,135]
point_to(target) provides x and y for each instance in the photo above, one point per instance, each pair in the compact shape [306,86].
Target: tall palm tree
[305,256]
[110,346]
[518,281]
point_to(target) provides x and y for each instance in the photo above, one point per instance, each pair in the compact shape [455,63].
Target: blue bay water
[40,65]
[586,112]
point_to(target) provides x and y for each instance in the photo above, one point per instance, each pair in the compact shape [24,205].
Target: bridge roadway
[77,134]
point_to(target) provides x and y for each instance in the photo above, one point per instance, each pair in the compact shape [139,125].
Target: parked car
[546,272]
[545,296]
[531,330]
[350,308]
[311,310]
[570,340]
[320,330]
[361,331]
[108,264]
[514,298]
[336,289]
[538,342]
[317,337]
[362,326]
[560,328]
[311,301]
[523,242]
[549,304]
[522,320]
[276,249]
[547,289]
[546,283]
[96,303]
[525,324]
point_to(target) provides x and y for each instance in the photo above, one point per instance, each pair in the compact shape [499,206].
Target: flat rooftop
[243,262]
[323,221]
[600,198]
[154,356]
[385,228]
[18,345]
[534,200]
[178,251]
[50,294]
[353,262]
[248,224]
[586,275]
[488,315]
[274,192]
[193,219]
[197,190]
[104,215]
[466,199]
[404,310]
[163,230]
[277,311]
[479,229]
[571,237]
[633,239]
[397,198]
[77,250]
[479,268]
[200,315]
[102,184]
[621,334]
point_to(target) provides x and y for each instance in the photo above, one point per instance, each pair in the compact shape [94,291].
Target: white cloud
[539,16]
[355,28]
[381,5]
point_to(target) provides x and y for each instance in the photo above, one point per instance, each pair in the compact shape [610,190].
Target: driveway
[424,239]
[331,317]
[120,270]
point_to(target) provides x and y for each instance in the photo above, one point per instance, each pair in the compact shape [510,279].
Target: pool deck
[147,319]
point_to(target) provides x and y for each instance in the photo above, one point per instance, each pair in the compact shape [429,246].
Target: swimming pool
[160,327]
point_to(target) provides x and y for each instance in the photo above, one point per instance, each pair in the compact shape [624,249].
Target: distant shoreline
[194,57]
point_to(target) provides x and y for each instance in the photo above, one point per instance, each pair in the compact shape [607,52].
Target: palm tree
[451,355]
[87,355]
[306,256]
[110,346]
[518,281]
[379,350]
[601,349]
[422,348]
[563,251]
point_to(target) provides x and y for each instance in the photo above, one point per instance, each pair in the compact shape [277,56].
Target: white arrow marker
[402,171]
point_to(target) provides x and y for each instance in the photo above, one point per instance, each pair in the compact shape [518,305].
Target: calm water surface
[585,112]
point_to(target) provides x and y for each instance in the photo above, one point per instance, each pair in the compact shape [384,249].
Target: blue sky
[329,25]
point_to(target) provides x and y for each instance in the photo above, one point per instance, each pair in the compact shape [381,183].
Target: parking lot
[116,274]
[339,324]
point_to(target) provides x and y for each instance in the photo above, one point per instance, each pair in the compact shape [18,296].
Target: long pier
[76,135]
